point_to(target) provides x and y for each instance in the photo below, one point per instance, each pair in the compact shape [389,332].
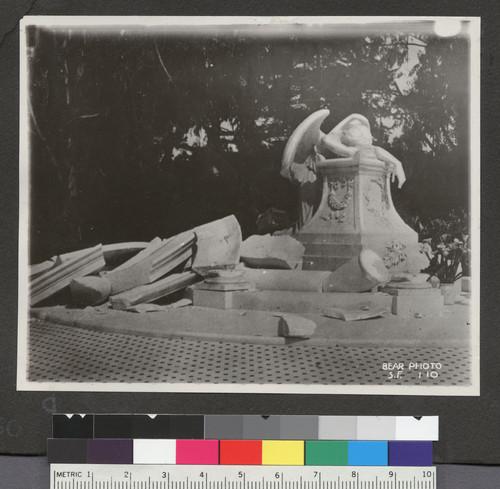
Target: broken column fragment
[143,253]
[79,264]
[268,251]
[117,253]
[360,274]
[153,262]
[154,291]
[37,269]
[217,246]
[170,254]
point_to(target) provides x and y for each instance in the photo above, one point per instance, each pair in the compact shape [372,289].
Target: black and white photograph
[259,205]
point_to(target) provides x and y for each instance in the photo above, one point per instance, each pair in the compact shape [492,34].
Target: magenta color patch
[194,452]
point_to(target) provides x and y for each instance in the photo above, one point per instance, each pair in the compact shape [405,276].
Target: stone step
[256,327]
[287,301]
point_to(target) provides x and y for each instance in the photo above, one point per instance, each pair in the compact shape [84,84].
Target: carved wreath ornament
[339,197]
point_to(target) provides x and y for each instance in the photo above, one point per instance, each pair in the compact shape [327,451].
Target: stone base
[411,302]
[400,252]
[356,213]
[287,301]
[214,299]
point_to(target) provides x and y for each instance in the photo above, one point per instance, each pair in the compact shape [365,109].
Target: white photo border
[23,384]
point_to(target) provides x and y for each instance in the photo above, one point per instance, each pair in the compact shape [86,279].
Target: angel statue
[308,145]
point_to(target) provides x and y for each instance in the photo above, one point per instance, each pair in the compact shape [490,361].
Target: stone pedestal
[356,212]
[415,300]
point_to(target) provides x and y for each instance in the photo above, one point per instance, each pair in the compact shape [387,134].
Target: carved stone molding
[395,253]
[377,200]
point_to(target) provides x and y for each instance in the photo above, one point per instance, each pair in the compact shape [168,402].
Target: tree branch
[162,63]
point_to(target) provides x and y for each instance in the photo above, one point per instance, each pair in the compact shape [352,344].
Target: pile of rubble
[133,276]
[211,267]
[147,272]
[146,276]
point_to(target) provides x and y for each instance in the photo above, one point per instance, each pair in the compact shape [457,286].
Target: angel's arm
[397,167]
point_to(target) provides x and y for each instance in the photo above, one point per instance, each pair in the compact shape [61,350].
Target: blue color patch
[367,453]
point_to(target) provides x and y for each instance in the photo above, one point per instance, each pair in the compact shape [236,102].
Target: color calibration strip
[235,427]
[239,452]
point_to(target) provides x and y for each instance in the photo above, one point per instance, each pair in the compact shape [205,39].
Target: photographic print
[233,204]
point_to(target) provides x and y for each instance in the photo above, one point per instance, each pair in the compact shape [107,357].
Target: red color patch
[240,452]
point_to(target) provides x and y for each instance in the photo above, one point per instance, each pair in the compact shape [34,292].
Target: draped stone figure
[345,195]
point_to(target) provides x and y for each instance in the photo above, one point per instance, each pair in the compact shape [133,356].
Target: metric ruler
[152,476]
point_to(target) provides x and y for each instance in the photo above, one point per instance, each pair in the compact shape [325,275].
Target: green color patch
[323,452]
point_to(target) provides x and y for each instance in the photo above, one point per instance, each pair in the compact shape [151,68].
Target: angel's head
[356,133]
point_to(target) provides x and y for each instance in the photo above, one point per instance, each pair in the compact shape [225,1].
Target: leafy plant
[450,260]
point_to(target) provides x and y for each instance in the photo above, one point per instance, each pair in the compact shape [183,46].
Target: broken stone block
[282,252]
[291,326]
[90,291]
[217,245]
[123,279]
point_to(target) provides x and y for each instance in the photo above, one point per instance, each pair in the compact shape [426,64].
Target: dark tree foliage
[136,134]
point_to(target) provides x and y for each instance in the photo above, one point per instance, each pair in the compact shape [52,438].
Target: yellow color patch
[282,452]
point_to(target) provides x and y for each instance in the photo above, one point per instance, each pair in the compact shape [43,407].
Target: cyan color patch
[367,453]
